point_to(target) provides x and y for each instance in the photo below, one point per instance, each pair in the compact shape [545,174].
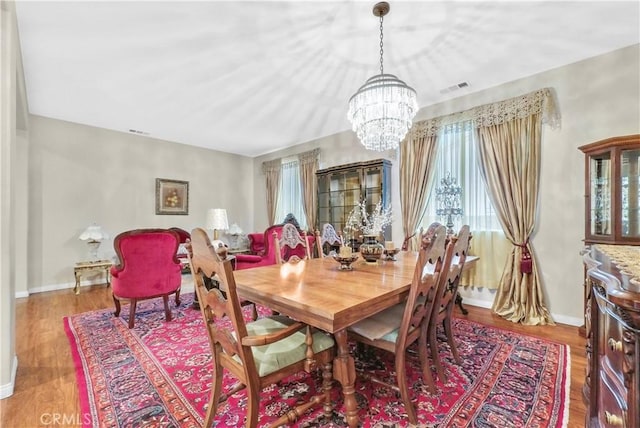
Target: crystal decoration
[382,109]
[449,200]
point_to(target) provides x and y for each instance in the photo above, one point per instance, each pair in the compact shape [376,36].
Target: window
[457,155]
[290,194]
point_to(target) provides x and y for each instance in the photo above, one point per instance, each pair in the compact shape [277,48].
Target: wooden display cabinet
[341,188]
[612,209]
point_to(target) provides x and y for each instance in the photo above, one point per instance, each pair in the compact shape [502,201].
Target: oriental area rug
[159,374]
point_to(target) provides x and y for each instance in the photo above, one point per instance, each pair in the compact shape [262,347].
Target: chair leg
[254,312]
[117,303]
[435,356]
[167,311]
[427,378]
[401,374]
[327,384]
[178,297]
[214,398]
[253,405]
[452,344]
[132,312]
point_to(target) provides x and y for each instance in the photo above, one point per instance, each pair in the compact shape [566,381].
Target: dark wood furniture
[341,188]
[612,383]
[243,348]
[612,208]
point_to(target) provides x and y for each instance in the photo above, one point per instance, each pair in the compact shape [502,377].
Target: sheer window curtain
[457,155]
[290,194]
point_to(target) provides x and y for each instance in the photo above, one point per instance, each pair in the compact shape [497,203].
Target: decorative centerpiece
[371,225]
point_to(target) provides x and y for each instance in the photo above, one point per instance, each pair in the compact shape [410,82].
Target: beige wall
[80,174]
[597,98]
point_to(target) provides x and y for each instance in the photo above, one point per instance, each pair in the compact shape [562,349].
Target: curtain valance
[540,101]
[309,157]
[272,165]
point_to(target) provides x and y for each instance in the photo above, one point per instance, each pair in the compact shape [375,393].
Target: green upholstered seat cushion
[273,357]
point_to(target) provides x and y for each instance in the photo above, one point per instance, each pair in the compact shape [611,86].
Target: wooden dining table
[318,293]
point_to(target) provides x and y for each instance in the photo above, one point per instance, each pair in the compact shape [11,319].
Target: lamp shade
[93,233]
[217,219]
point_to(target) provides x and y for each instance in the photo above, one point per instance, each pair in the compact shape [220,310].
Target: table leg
[344,370]
[76,289]
[108,272]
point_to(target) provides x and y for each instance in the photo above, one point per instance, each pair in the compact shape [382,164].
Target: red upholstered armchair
[268,256]
[256,243]
[148,268]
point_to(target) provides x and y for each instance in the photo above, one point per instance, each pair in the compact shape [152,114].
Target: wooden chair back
[291,246]
[327,239]
[233,344]
[445,299]
[383,331]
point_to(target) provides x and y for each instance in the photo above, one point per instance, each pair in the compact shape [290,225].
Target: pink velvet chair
[268,256]
[148,268]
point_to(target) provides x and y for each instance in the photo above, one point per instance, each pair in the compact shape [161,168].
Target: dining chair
[328,238]
[398,327]
[291,245]
[258,353]
[445,300]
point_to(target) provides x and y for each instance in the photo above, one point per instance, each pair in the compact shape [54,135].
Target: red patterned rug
[159,374]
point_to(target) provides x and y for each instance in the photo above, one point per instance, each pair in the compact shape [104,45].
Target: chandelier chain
[381,49]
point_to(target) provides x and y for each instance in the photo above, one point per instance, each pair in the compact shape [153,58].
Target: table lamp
[217,220]
[93,235]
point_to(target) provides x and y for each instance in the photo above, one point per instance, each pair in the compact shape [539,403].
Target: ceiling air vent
[454,87]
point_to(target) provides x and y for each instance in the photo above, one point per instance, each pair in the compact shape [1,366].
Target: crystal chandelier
[382,109]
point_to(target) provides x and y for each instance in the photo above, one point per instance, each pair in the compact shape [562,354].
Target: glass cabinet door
[600,179]
[612,190]
[630,189]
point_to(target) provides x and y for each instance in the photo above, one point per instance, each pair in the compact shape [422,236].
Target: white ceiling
[254,77]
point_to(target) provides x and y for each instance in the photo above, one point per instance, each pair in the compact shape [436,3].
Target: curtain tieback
[526,264]
[405,243]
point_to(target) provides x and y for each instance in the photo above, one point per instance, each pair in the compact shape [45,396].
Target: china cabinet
[343,187]
[612,209]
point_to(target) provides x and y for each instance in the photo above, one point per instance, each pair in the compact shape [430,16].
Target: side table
[238,251]
[85,267]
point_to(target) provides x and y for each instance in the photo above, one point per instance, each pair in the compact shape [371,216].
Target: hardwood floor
[46,392]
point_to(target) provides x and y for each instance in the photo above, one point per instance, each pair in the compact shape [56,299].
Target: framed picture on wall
[172,197]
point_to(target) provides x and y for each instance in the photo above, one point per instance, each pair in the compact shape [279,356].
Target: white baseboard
[560,319]
[20,294]
[187,286]
[7,389]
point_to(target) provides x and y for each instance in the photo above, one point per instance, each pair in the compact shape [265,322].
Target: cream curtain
[417,157]
[271,171]
[510,165]
[510,131]
[309,184]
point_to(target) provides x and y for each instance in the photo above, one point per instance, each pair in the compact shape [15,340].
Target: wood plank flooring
[46,392]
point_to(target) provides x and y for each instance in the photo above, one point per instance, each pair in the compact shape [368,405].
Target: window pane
[290,197]
[457,156]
